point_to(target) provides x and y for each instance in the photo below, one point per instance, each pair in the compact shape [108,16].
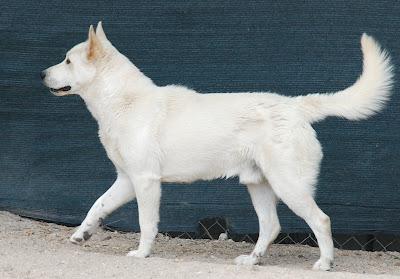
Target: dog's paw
[76,239]
[323,264]
[247,260]
[80,237]
[138,254]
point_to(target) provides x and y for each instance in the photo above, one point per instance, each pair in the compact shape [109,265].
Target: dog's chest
[110,144]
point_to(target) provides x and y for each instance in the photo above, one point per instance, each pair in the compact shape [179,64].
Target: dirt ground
[32,249]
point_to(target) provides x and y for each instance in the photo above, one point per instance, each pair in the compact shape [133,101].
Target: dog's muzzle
[56,91]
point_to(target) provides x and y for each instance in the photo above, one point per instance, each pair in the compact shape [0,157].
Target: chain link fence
[212,228]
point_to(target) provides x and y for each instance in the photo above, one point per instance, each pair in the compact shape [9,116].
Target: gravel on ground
[34,249]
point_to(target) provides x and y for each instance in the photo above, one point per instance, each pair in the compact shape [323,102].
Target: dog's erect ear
[95,48]
[100,32]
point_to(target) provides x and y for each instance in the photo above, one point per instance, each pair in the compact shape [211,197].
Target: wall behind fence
[53,167]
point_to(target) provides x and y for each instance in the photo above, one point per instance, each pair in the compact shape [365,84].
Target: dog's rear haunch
[156,134]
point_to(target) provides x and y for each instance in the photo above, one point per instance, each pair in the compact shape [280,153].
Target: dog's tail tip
[367,41]
[367,96]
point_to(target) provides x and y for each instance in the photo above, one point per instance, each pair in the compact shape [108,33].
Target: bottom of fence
[341,241]
[212,228]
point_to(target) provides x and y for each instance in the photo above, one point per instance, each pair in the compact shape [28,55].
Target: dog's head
[78,70]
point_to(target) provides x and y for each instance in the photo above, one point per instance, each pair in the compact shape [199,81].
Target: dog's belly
[190,169]
[246,174]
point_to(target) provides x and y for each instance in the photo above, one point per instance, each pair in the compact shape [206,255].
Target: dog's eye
[68,61]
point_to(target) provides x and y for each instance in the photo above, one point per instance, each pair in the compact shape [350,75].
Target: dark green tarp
[53,167]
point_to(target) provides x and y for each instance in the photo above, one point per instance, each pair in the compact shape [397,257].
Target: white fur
[158,134]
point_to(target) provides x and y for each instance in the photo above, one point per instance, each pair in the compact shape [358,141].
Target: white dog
[158,134]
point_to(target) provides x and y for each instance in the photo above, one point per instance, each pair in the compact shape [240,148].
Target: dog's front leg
[120,193]
[148,194]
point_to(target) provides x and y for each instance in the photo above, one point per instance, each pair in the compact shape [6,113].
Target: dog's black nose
[42,74]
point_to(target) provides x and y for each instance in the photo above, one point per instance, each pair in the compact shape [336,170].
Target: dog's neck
[115,84]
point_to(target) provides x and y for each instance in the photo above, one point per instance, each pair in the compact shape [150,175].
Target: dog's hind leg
[292,173]
[120,193]
[264,201]
[303,204]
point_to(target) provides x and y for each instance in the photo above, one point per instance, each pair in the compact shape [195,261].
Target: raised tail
[364,98]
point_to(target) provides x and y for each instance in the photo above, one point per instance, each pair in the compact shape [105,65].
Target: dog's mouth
[60,91]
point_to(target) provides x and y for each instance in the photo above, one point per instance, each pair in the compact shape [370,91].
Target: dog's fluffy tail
[364,98]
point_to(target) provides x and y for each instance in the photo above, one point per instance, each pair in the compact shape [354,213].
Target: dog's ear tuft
[100,32]
[95,48]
